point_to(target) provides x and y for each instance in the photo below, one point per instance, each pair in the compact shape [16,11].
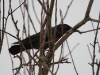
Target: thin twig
[72,50]
[17,8]
[71,58]
[94,20]
[94,45]
[35,12]
[43,6]
[89,51]
[94,33]
[88,30]
[26,6]
[68,7]
[9,34]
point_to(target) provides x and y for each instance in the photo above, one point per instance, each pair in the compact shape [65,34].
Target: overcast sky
[76,14]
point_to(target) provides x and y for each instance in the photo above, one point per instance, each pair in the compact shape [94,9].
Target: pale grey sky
[80,54]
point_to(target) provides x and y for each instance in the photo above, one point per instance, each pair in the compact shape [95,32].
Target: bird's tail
[15,49]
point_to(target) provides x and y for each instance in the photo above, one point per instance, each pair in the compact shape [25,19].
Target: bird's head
[63,27]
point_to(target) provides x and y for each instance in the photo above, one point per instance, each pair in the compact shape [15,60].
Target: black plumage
[59,31]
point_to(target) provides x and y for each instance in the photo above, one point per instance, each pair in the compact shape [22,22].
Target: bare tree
[36,58]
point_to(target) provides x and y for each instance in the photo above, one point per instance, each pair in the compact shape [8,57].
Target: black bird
[58,30]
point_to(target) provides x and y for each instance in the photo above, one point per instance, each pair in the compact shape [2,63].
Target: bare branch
[72,58]
[88,31]
[71,31]
[67,9]
[94,20]
[43,7]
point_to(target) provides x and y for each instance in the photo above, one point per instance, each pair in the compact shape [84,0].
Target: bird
[58,31]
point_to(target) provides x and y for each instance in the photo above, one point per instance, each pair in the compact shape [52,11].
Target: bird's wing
[33,38]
